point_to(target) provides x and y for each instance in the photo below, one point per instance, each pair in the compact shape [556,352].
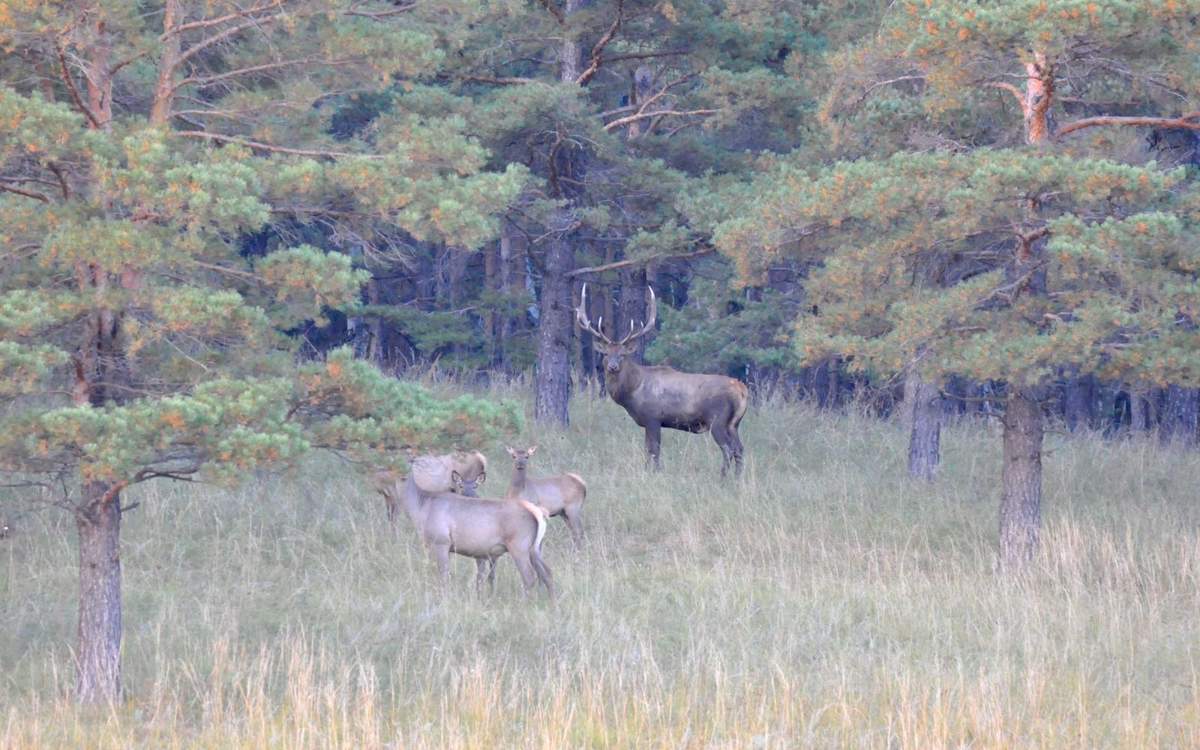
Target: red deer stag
[480,528]
[560,495]
[658,397]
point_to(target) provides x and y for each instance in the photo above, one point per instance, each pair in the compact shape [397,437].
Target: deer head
[521,457]
[465,486]
[616,352]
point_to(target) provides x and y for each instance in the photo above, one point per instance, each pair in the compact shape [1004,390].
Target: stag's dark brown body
[658,397]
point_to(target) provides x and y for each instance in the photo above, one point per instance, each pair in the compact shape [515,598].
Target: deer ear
[532,449]
[456,476]
[511,452]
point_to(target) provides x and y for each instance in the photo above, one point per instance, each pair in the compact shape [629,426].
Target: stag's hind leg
[735,440]
[720,433]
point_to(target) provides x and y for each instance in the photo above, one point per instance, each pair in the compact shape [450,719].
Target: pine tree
[1005,262]
[136,340]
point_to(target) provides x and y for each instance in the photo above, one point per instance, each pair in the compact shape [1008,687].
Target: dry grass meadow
[822,601]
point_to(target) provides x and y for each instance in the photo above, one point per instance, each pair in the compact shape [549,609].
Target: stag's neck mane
[626,381]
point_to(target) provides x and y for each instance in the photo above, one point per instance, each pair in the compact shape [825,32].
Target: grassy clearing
[822,601]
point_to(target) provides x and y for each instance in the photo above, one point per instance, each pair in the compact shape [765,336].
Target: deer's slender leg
[543,572]
[481,571]
[529,575]
[441,554]
[573,515]
[654,444]
[738,450]
[720,433]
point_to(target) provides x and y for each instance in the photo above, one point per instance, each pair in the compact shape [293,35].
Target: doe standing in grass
[658,397]
[559,495]
[480,528]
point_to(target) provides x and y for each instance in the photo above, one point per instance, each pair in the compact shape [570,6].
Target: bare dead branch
[554,11]
[609,127]
[210,22]
[205,81]
[638,261]
[259,146]
[73,89]
[27,193]
[597,57]
[1190,121]
[378,14]
[1010,88]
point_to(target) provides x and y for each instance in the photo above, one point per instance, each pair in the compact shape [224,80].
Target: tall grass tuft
[823,600]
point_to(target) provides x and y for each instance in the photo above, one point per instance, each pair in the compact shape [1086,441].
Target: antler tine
[649,324]
[582,318]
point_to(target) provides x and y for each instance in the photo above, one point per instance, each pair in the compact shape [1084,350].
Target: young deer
[560,495]
[480,528]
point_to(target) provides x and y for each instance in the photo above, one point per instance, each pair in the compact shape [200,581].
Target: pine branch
[1190,121]
[554,11]
[638,261]
[598,50]
[657,113]
[74,90]
[259,146]
[27,193]
[210,22]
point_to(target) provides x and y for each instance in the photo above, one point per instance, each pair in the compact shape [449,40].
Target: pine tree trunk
[1078,402]
[98,653]
[1021,501]
[1181,413]
[552,382]
[923,411]
[1139,410]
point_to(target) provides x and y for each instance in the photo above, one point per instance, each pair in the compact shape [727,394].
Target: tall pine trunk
[1021,500]
[923,411]
[552,383]
[98,653]
[552,379]
[1079,398]
[1180,416]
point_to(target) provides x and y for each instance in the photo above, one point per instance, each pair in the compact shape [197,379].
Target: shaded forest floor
[824,600]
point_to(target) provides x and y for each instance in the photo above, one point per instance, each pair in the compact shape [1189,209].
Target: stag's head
[616,353]
[521,457]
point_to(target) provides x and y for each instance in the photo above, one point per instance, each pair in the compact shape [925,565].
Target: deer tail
[540,517]
[742,394]
[579,479]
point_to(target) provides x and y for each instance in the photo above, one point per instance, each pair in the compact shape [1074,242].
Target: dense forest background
[657,109]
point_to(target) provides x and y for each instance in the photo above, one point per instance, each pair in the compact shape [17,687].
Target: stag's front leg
[654,444]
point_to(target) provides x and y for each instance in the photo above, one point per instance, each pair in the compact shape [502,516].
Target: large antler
[582,318]
[649,324]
